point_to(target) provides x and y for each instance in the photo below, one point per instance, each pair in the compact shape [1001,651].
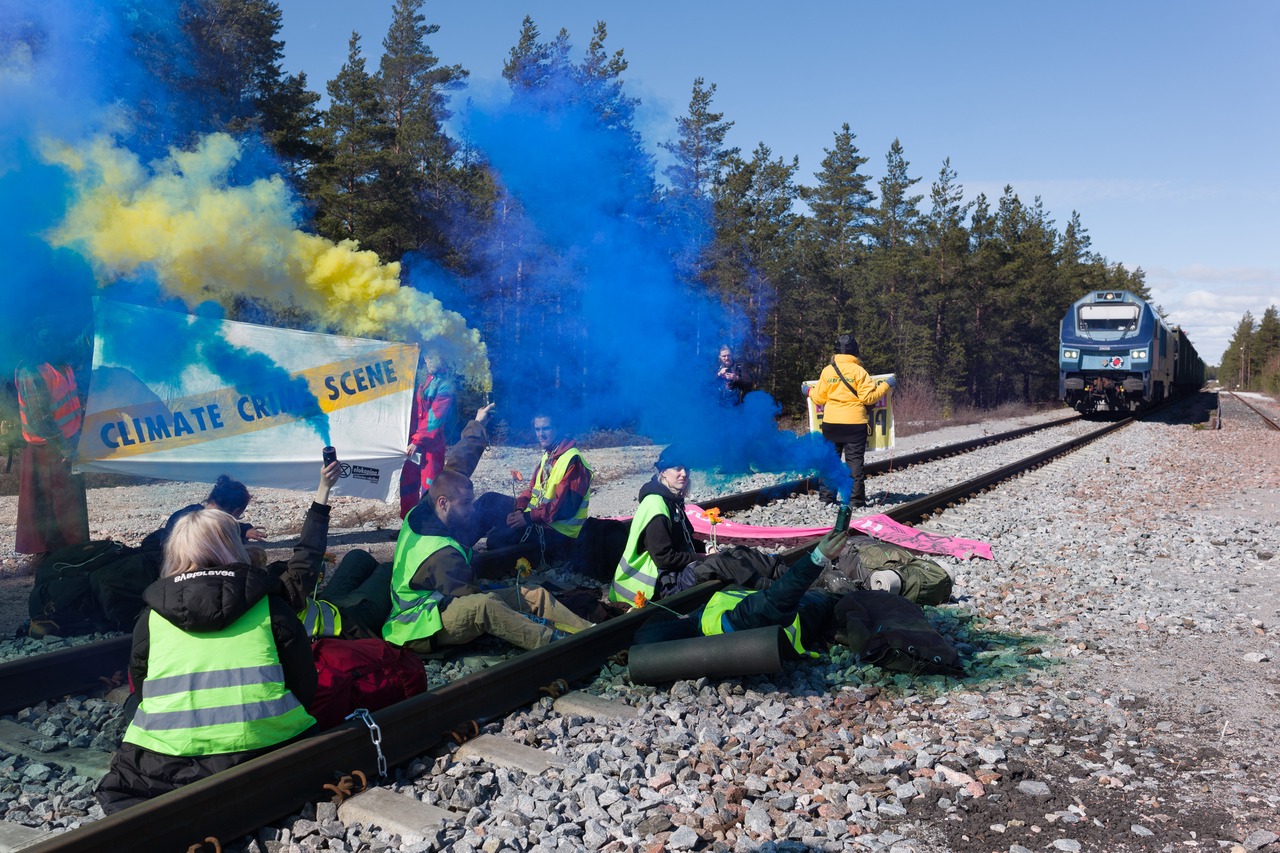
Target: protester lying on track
[230,496]
[788,603]
[221,668]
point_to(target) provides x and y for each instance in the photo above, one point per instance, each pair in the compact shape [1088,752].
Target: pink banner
[885,528]
[878,526]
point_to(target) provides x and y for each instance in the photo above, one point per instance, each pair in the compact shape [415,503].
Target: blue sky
[1158,122]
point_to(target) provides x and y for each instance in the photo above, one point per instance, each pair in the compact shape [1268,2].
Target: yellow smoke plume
[207,240]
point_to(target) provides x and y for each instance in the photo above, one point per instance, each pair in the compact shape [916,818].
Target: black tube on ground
[754,652]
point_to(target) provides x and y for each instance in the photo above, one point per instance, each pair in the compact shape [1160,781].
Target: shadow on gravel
[987,655]
[1193,409]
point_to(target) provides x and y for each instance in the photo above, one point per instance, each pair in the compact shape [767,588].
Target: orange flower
[517,476]
[713,515]
[523,568]
[330,557]
[640,600]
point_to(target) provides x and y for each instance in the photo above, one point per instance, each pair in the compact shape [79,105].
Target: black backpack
[890,632]
[88,588]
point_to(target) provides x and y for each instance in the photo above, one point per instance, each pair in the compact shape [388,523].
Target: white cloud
[1208,302]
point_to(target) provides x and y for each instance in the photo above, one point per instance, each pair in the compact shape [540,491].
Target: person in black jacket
[230,496]
[732,382]
[230,672]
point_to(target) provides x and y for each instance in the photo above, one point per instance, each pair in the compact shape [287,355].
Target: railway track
[1271,423]
[241,800]
[89,666]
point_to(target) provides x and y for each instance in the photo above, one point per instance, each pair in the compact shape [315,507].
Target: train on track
[1116,353]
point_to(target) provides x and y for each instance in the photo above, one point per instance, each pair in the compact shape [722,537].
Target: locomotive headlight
[1138,355]
[1070,354]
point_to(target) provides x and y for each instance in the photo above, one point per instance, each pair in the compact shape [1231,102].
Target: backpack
[923,581]
[890,632]
[64,599]
[369,674]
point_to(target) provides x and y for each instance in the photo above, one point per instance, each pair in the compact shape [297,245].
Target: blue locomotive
[1117,352]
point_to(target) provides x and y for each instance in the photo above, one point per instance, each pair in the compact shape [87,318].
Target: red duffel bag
[368,674]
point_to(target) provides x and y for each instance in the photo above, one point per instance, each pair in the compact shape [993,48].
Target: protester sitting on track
[554,505]
[787,603]
[230,496]
[221,668]
[435,601]
[660,550]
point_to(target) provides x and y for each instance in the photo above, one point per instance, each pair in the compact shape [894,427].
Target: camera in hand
[330,456]
[843,517]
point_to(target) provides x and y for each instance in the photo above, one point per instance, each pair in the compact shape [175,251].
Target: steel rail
[27,681]
[239,801]
[875,467]
[1267,420]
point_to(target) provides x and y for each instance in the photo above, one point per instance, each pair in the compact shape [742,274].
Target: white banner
[178,397]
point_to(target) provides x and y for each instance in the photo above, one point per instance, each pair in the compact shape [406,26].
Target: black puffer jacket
[669,541]
[205,601]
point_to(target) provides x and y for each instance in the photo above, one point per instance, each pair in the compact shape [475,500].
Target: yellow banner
[149,426]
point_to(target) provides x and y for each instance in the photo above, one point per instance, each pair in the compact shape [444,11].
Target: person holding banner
[431,416]
[52,509]
[846,392]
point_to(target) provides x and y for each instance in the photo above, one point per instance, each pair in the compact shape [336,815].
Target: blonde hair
[202,539]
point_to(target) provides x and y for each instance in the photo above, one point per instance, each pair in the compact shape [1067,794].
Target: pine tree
[1236,371]
[699,152]
[894,338]
[945,245]
[235,76]
[353,139]
[1266,347]
[413,88]
[751,255]
[837,232]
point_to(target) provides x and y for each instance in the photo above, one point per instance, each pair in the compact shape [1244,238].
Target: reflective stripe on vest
[544,489]
[193,704]
[415,613]
[64,404]
[727,599]
[636,571]
[321,619]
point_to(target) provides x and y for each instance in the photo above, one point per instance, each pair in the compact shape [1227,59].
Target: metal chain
[375,735]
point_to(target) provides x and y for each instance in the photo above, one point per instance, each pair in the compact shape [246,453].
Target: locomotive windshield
[1108,318]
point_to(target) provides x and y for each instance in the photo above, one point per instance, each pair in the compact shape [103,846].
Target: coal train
[1117,354]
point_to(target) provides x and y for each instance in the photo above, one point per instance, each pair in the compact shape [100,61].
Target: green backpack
[923,581]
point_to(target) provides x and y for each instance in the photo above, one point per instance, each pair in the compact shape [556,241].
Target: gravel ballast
[1122,653]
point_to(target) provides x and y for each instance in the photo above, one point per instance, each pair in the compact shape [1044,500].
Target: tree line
[1251,361]
[960,297]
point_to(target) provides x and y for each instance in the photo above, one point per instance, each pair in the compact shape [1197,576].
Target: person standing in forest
[731,380]
[431,417]
[846,392]
[52,511]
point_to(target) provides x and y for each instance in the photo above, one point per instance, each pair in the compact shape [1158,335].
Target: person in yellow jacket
[846,392]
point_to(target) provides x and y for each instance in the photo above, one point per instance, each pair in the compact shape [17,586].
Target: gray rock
[684,838]
[1034,788]
[1260,838]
